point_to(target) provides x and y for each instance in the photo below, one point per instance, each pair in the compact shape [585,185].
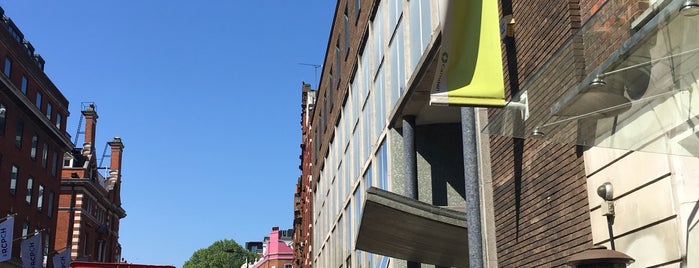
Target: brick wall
[539,187]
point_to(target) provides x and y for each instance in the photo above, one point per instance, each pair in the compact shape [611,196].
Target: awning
[642,96]
[400,227]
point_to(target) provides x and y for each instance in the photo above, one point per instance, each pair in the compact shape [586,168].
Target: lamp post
[247,264]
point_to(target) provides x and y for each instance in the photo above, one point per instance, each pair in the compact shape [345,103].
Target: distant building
[33,140]
[254,247]
[81,264]
[303,198]
[277,251]
[90,203]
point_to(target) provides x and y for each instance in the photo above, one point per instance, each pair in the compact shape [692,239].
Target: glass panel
[641,96]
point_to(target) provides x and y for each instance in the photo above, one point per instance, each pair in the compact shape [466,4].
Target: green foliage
[221,254]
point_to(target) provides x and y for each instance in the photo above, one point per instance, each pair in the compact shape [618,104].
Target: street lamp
[247,264]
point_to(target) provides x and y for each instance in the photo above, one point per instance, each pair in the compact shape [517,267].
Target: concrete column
[410,158]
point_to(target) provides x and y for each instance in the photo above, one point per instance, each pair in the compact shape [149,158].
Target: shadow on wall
[441,147]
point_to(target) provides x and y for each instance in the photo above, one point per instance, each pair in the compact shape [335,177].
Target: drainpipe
[410,158]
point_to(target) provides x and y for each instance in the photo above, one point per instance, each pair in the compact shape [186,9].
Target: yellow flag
[470,61]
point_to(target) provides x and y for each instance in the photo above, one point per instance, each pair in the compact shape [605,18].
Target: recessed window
[38,100]
[59,119]
[18,134]
[30,190]
[13,179]
[54,164]
[49,110]
[35,145]
[40,198]
[23,87]
[49,210]
[45,155]
[3,113]
[25,228]
[8,67]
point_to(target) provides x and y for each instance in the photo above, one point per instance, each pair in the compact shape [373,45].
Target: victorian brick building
[303,198]
[90,203]
[33,141]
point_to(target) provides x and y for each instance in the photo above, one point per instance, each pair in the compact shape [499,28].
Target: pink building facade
[277,253]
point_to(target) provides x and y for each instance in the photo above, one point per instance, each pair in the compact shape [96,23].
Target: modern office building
[601,96]
[90,203]
[33,140]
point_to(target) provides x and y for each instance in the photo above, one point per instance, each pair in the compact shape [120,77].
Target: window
[49,110]
[357,9]
[397,68]
[30,190]
[23,87]
[3,113]
[338,65]
[395,9]
[378,34]
[420,29]
[13,179]
[35,144]
[59,119]
[54,164]
[46,242]
[45,155]
[49,209]
[368,177]
[287,265]
[40,198]
[382,164]
[25,228]
[8,67]
[18,134]
[379,103]
[38,100]
[346,46]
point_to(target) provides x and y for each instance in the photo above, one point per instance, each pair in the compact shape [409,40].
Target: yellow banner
[470,61]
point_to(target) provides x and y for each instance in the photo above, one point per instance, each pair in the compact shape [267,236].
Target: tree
[221,254]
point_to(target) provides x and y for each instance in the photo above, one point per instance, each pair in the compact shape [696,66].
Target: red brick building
[303,199]
[90,203]
[33,140]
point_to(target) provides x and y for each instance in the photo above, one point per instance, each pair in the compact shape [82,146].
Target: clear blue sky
[206,96]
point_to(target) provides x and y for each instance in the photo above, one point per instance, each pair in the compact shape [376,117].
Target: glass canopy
[642,96]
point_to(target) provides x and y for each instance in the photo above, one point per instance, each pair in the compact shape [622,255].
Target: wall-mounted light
[689,8]
[605,191]
[599,256]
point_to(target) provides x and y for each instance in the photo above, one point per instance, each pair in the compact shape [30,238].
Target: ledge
[400,227]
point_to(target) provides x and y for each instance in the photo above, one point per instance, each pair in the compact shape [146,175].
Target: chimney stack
[114,184]
[90,123]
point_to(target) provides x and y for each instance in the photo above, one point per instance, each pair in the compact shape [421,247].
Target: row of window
[47,110]
[19,143]
[32,196]
[97,212]
[373,91]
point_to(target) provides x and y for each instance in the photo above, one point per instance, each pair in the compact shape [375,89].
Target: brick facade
[90,204]
[33,140]
[303,204]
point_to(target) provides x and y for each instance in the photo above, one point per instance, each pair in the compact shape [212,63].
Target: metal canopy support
[472,189]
